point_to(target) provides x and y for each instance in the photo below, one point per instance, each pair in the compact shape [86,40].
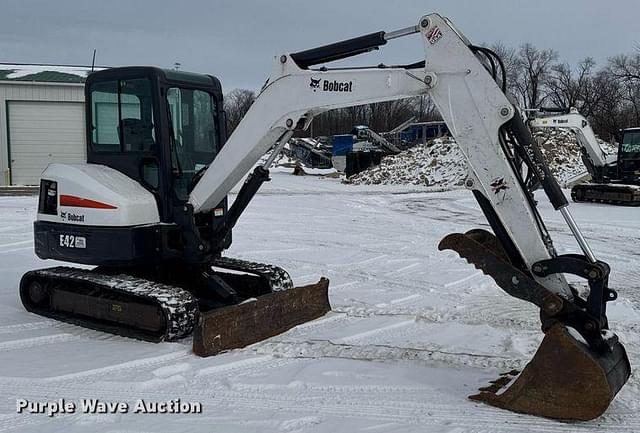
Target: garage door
[41,133]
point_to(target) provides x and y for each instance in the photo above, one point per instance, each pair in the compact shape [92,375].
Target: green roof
[51,77]
[43,73]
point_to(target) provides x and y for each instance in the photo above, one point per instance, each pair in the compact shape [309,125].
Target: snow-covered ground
[413,331]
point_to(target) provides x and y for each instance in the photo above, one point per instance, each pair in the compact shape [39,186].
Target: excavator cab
[629,156]
[159,128]
[160,273]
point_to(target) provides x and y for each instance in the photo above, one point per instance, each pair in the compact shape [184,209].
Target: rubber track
[616,194]
[178,305]
[277,277]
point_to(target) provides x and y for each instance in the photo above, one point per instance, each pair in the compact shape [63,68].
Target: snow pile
[562,152]
[439,162]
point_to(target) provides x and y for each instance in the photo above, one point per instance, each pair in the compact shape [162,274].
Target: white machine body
[97,195]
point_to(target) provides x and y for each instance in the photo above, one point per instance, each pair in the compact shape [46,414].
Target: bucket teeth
[565,380]
[483,253]
[497,384]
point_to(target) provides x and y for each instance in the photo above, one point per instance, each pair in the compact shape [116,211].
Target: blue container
[342,144]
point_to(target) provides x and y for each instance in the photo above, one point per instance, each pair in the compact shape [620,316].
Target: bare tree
[236,105]
[608,114]
[534,66]
[626,67]
[626,70]
[509,58]
[571,88]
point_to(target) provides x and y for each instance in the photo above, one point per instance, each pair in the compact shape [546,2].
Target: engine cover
[95,195]
[95,215]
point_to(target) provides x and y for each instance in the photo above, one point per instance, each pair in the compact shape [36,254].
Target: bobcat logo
[315,84]
[499,185]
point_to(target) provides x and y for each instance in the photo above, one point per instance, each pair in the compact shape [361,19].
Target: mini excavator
[149,210]
[615,179]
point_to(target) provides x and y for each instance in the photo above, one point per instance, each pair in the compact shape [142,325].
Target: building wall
[22,91]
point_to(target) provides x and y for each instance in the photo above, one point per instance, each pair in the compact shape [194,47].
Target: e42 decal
[73,241]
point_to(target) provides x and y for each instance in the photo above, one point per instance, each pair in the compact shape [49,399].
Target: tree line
[608,94]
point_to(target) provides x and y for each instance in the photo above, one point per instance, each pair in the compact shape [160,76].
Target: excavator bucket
[565,380]
[259,318]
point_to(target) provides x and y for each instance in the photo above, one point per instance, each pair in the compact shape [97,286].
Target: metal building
[41,119]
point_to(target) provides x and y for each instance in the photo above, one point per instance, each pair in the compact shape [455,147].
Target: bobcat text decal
[331,86]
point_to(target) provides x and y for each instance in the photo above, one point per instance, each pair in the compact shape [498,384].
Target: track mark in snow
[316,349]
[171,370]
[14,244]
[26,343]
[462,280]
[30,248]
[398,301]
[343,285]
[299,424]
[15,227]
[22,327]
[407,406]
[366,334]
[243,363]
[13,422]
[321,322]
[402,269]
[137,363]
[362,262]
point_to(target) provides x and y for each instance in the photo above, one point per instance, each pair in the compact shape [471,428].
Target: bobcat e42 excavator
[149,209]
[615,179]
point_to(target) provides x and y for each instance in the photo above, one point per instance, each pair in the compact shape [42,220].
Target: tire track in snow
[317,349]
[244,367]
[504,316]
[30,326]
[15,228]
[404,405]
[15,244]
[27,343]
[16,421]
[141,363]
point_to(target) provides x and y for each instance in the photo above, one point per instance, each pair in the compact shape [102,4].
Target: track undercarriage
[618,194]
[166,305]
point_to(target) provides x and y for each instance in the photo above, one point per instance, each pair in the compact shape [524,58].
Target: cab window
[194,134]
[122,116]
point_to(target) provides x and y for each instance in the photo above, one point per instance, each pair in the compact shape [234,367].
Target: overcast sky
[236,40]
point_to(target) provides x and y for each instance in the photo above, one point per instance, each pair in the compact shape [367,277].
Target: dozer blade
[259,318]
[565,380]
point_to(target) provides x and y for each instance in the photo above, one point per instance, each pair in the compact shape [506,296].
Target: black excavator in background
[615,179]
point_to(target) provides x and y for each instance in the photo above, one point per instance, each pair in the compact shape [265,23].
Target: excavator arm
[595,157]
[575,374]
[467,96]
